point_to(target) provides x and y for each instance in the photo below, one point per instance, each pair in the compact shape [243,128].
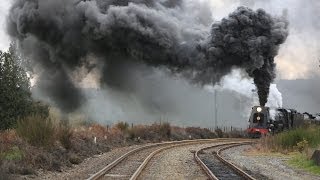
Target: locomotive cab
[258,121]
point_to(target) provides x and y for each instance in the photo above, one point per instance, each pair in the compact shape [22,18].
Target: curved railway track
[131,164]
[216,167]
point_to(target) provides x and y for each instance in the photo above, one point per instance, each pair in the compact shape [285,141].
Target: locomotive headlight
[259,109]
[258,118]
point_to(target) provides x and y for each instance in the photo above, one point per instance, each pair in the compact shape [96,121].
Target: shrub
[123,126]
[8,139]
[74,159]
[36,130]
[98,130]
[199,133]
[64,135]
[302,145]
[155,132]
[165,130]
[219,132]
[178,133]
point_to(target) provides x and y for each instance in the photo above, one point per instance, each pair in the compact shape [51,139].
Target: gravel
[219,169]
[128,166]
[83,170]
[178,163]
[270,167]
[175,163]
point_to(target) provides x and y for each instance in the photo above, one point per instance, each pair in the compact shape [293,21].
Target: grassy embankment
[299,144]
[51,144]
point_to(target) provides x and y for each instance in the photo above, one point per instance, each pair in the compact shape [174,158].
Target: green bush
[15,98]
[36,130]
[15,92]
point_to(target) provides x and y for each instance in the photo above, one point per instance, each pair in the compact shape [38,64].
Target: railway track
[216,167]
[131,164]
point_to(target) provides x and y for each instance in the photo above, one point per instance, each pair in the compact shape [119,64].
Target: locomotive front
[258,122]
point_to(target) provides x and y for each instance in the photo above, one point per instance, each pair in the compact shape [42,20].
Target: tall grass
[36,130]
[64,134]
[289,140]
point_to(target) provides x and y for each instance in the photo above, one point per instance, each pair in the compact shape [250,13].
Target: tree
[15,94]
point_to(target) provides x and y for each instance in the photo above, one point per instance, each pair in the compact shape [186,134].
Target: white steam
[239,83]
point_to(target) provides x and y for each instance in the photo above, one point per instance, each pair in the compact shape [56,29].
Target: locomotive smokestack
[59,36]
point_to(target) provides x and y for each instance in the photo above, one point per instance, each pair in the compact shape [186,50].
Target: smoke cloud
[243,89]
[62,36]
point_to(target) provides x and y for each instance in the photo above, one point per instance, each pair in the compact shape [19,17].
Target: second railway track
[216,167]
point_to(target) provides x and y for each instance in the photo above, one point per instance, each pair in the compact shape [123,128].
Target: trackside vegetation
[299,144]
[296,139]
[302,161]
[15,98]
[50,144]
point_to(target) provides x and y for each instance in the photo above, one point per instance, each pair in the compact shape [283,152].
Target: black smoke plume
[249,40]
[58,36]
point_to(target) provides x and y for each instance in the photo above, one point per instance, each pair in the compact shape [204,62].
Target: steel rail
[148,159]
[113,164]
[236,169]
[231,165]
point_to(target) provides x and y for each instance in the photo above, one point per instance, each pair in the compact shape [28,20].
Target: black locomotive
[263,120]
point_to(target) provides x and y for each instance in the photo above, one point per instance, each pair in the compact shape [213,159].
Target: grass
[302,137]
[50,144]
[302,161]
[64,133]
[290,139]
[36,130]
[297,144]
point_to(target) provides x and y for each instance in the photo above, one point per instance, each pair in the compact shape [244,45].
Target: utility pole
[215,109]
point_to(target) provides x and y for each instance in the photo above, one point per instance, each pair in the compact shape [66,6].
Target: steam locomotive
[263,120]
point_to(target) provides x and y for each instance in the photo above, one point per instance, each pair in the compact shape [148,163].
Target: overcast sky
[4,40]
[298,57]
